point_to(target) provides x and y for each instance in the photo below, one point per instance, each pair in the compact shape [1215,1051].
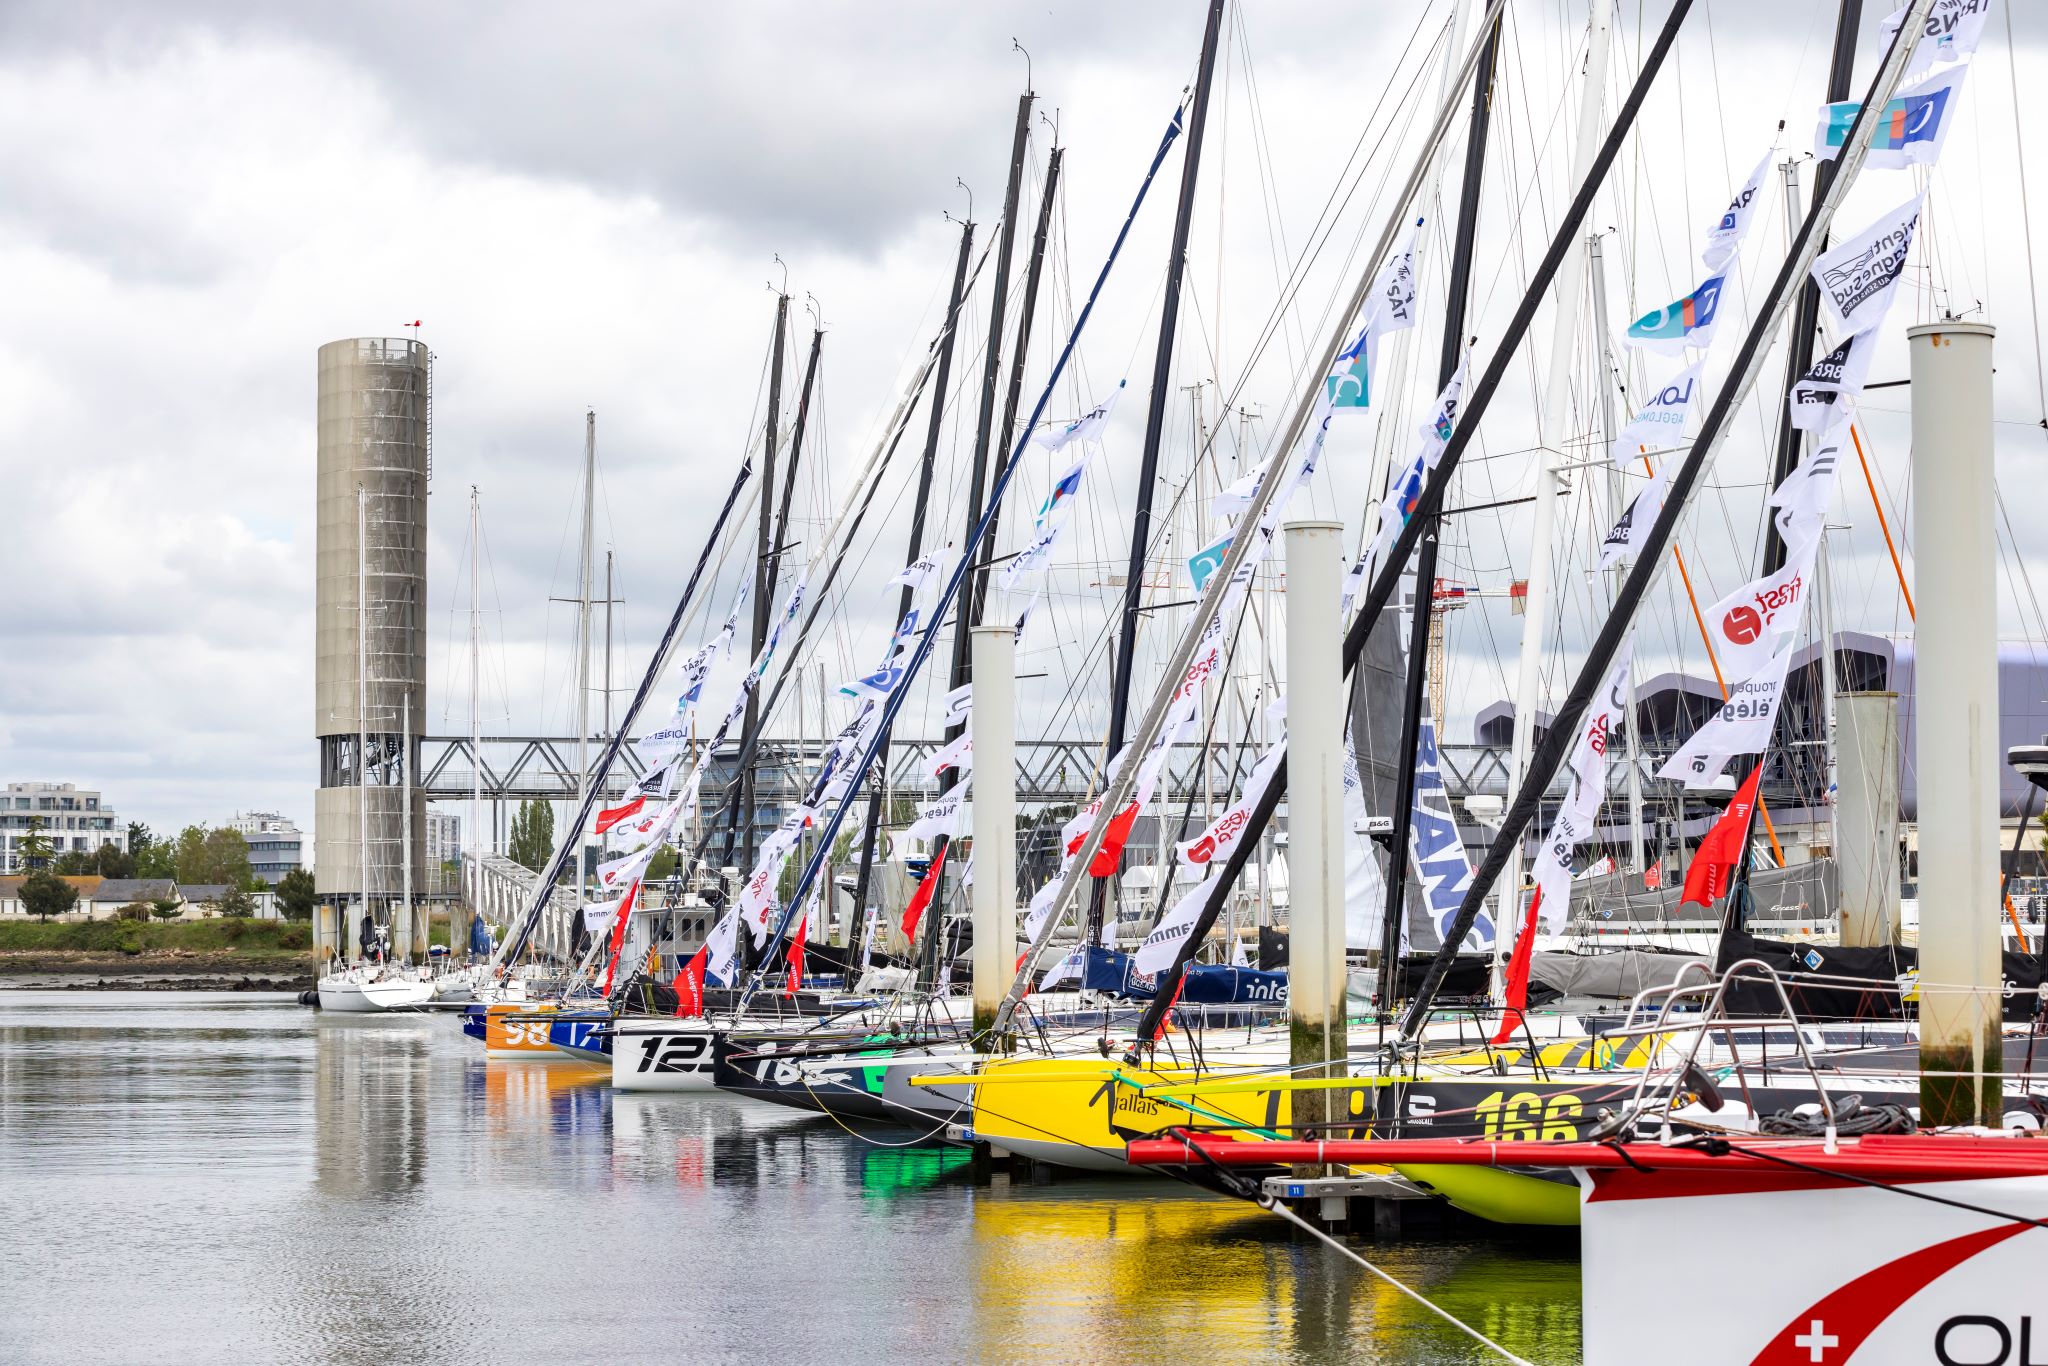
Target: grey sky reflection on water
[167,1195]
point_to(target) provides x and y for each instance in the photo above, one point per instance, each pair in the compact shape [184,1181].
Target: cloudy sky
[585,214]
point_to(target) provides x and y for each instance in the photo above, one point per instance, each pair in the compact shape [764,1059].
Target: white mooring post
[1315,811]
[1956,748]
[993,724]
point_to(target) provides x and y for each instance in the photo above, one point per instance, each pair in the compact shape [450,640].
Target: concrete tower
[370,667]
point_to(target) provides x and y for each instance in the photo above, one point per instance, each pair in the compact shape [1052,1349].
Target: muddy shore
[154,970]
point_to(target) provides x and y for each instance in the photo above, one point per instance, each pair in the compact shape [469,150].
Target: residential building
[444,838]
[276,846]
[74,819]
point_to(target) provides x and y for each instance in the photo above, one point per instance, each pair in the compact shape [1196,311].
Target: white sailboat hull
[349,994]
[663,1055]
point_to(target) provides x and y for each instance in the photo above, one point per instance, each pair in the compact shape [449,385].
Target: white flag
[1859,278]
[1087,427]
[622,872]
[1031,558]
[1659,425]
[1574,821]
[1232,503]
[1747,625]
[1952,32]
[918,572]
[1157,953]
[1215,845]
[1837,375]
[1911,131]
[959,754]
[1724,239]
[1041,904]
[1633,528]
[1068,969]
[958,704]
[947,816]
[1803,499]
[1389,307]
[721,950]
[1742,726]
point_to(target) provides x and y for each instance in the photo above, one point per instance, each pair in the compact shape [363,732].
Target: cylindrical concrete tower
[370,667]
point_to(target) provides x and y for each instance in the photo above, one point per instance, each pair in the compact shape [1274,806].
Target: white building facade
[276,845]
[74,819]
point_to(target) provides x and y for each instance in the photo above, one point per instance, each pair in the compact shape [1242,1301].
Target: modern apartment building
[276,846]
[73,818]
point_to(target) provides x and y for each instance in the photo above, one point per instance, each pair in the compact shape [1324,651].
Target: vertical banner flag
[1859,278]
[1837,375]
[1707,879]
[689,984]
[1085,427]
[1724,239]
[1435,846]
[927,887]
[1390,307]
[1743,725]
[1910,131]
[1687,322]
[1952,32]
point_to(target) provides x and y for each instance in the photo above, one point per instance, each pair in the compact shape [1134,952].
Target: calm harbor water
[236,1178]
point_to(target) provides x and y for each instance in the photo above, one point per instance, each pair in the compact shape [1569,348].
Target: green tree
[235,902]
[76,863]
[111,860]
[44,894]
[166,908]
[206,856]
[139,838]
[33,850]
[662,865]
[295,895]
[157,861]
[532,841]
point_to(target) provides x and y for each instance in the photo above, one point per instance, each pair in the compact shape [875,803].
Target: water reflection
[197,1178]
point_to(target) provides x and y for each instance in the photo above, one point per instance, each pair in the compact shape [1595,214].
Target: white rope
[1291,1217]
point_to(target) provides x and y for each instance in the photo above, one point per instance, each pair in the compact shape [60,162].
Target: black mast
[763,584]
[1155,421]
[1563,732]
[1018,353]
[1806,313]
[924,491]
[1387,581]
[984,428]
[796,455]
[1456,297]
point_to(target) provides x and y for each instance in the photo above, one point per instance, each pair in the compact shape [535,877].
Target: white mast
[583,640]
[405,816]
[476,652]
[1603,367]
[362,703]
[1571,276]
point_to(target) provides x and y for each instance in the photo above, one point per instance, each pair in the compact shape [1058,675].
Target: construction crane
[1448,596]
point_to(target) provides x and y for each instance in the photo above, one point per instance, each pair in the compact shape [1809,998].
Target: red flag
[922,897]
[619,933]
[1112,851]
[607,819]
[1516,983]
[689,984]
[1653,876]
[796,956]
[1721,850]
